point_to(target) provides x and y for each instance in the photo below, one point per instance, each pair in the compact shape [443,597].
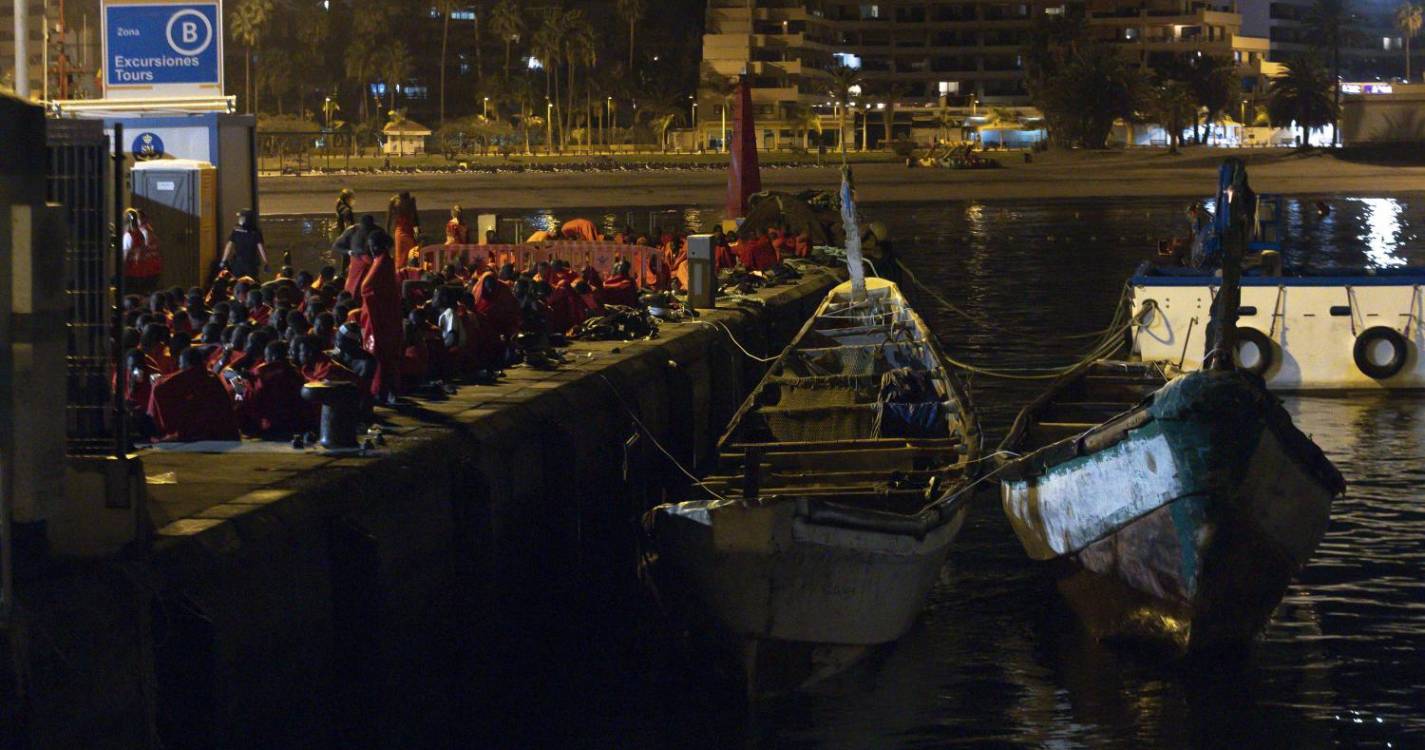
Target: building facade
[926,57]
[36,50]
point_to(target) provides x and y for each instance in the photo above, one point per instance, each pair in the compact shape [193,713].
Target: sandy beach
[1052,175]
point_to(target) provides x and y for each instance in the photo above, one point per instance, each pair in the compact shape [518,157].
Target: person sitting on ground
[349,354]
[619,288]
[273,404]
[154,345]
[191,405]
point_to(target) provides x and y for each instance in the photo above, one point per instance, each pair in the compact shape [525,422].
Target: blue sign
[147,146]
[163,48]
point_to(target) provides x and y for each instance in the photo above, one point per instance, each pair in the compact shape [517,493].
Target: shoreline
[1053,175]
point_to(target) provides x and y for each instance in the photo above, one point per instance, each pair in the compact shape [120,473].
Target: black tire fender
[1264,345]
[1400,352]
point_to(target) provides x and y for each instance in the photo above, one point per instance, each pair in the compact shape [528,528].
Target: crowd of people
[231,359]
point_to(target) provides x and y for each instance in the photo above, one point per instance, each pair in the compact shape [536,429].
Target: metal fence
[78,178]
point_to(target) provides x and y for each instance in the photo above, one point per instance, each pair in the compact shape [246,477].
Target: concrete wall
[1397,117]
[416,599]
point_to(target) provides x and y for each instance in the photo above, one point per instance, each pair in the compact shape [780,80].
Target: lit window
[870,11]
[847,59]
[949,87]
[1055,11]
[462,15]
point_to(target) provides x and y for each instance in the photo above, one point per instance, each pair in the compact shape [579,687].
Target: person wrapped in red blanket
[191,404]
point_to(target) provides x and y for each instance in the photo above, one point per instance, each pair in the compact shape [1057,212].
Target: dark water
[997,660]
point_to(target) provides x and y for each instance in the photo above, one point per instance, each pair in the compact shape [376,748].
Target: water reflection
[1382,230]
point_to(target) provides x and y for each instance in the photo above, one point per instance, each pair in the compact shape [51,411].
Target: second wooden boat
[837,495]
[1179,520]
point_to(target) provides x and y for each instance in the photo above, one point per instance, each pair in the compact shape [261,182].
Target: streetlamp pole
[487,108]
[693,123]
[548,126]
[608,113]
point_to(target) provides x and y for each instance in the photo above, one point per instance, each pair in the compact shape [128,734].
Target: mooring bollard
[339,410]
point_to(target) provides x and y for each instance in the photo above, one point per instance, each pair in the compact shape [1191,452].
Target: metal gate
[77,177]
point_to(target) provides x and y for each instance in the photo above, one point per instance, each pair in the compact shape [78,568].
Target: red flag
[743,176]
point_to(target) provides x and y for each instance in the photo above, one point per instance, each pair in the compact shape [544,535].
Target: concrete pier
[291,598]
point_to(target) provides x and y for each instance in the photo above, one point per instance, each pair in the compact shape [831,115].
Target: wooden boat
[1175,513]
[837,495]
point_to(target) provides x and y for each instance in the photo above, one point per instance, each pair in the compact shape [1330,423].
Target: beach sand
[1055,174]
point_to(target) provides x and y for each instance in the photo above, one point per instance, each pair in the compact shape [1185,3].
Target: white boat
[1339,330]
[837,495]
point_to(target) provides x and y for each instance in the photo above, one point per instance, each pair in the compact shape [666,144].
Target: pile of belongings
[618,323]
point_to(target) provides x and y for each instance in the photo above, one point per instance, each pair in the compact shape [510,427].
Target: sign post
[162,49]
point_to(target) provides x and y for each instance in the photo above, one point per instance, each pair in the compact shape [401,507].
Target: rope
[733,339]
[644,429]
[1105,347]
[910,276]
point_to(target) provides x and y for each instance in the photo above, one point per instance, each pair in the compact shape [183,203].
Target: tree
[1330,24]
[580,48]
[1212,81]
[548,46]
[361,66]
[1302,96]
[1000,119]
[845,83]
[1171,104]
[894,93]
[445,7]
[508,24]
[632,12]
[248,22]
[1082,94]
[1408,18]
[804,120]
[393,61]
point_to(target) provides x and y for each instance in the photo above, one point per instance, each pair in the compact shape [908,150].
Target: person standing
[245,254]
[142,263]
[382,332]
[403,224]
[345,218]
[352,246]
[457,232]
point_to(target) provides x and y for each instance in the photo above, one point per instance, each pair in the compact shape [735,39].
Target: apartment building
[1374,48]
[934,54]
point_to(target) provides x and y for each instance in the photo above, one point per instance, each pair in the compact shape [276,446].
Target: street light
[487,107]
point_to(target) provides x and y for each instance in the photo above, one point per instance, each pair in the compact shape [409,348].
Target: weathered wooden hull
[771,572]
[1181,521]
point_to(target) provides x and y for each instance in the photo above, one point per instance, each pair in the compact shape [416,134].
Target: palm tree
[444,7]
[1000,119]
[632,12]
[1302,96]
[248,21]
[845,83]
[1330,24]
[894,93]
[1211,80]
[804,120]
[548,45]
[361,66]
[579,48]
[1172,106]
[393,61]
[508,24]
[1408,18]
